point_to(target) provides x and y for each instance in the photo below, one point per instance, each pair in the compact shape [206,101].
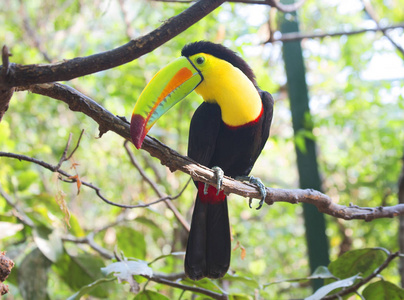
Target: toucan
[227,133]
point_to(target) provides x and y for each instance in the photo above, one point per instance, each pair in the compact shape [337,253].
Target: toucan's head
[200,61]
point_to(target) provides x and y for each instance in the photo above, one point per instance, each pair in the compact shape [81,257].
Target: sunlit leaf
[125,270]
[325,290]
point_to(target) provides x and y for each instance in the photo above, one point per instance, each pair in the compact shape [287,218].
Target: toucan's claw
[219,179]
[260,186]
[205,189]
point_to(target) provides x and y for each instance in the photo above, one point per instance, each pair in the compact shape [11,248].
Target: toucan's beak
[170,85]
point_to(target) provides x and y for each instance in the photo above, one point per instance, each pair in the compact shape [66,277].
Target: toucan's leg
[219,178]
[259,184]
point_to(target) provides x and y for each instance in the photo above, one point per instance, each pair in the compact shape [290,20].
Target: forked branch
[174,161]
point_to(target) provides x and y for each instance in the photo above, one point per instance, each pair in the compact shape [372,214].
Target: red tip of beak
[137,130]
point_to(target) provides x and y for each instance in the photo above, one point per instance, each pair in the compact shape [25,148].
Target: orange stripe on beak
[179,78]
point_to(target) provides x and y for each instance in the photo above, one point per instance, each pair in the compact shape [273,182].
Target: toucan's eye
[200,60]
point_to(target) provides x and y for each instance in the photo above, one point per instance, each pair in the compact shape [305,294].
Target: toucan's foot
[260,186]
[219,179]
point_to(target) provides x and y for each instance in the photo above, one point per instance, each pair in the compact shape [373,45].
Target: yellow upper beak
[170,85]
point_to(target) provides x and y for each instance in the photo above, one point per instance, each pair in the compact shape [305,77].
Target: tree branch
[5,93]
[290,37]
[89,240]
[401,221]
[175,161]
[273,3]
[20,75]
[72,179]
[372,13]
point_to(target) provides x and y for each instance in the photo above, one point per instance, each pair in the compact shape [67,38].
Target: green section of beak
[170,85]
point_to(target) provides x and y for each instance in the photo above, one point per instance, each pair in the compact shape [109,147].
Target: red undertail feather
[210,197]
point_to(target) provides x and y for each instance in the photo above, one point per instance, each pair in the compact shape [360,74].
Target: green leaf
[150,295]
[205,283]
[251,283]
[131,242]
[383,290]
[156,230]
[33,276]
[363,261]
[167,255]
[26,178]
[78,271]
[88,288]
[48,242]
[323,291]
[239,297]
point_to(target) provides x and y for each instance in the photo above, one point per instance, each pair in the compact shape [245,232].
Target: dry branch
[295,36]
[273,3]
[20,75]
[174,161]
[5,93]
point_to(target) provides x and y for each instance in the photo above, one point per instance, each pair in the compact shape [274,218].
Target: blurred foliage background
[356,99]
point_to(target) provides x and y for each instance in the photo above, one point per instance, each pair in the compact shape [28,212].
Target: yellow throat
[227,86]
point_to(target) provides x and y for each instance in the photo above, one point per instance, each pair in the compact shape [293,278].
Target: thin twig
[89,240]
[369,9]
[17,211]
[154,186]
[31,34]
[273,3]
[190,288]
[400,195]
[290,37]
[63,157]
[81,66]
[70,179]
[77,146]
[129,30]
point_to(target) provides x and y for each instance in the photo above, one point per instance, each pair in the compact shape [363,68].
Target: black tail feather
[209,246]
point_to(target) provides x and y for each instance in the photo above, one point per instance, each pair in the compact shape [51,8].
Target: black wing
[203,133]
